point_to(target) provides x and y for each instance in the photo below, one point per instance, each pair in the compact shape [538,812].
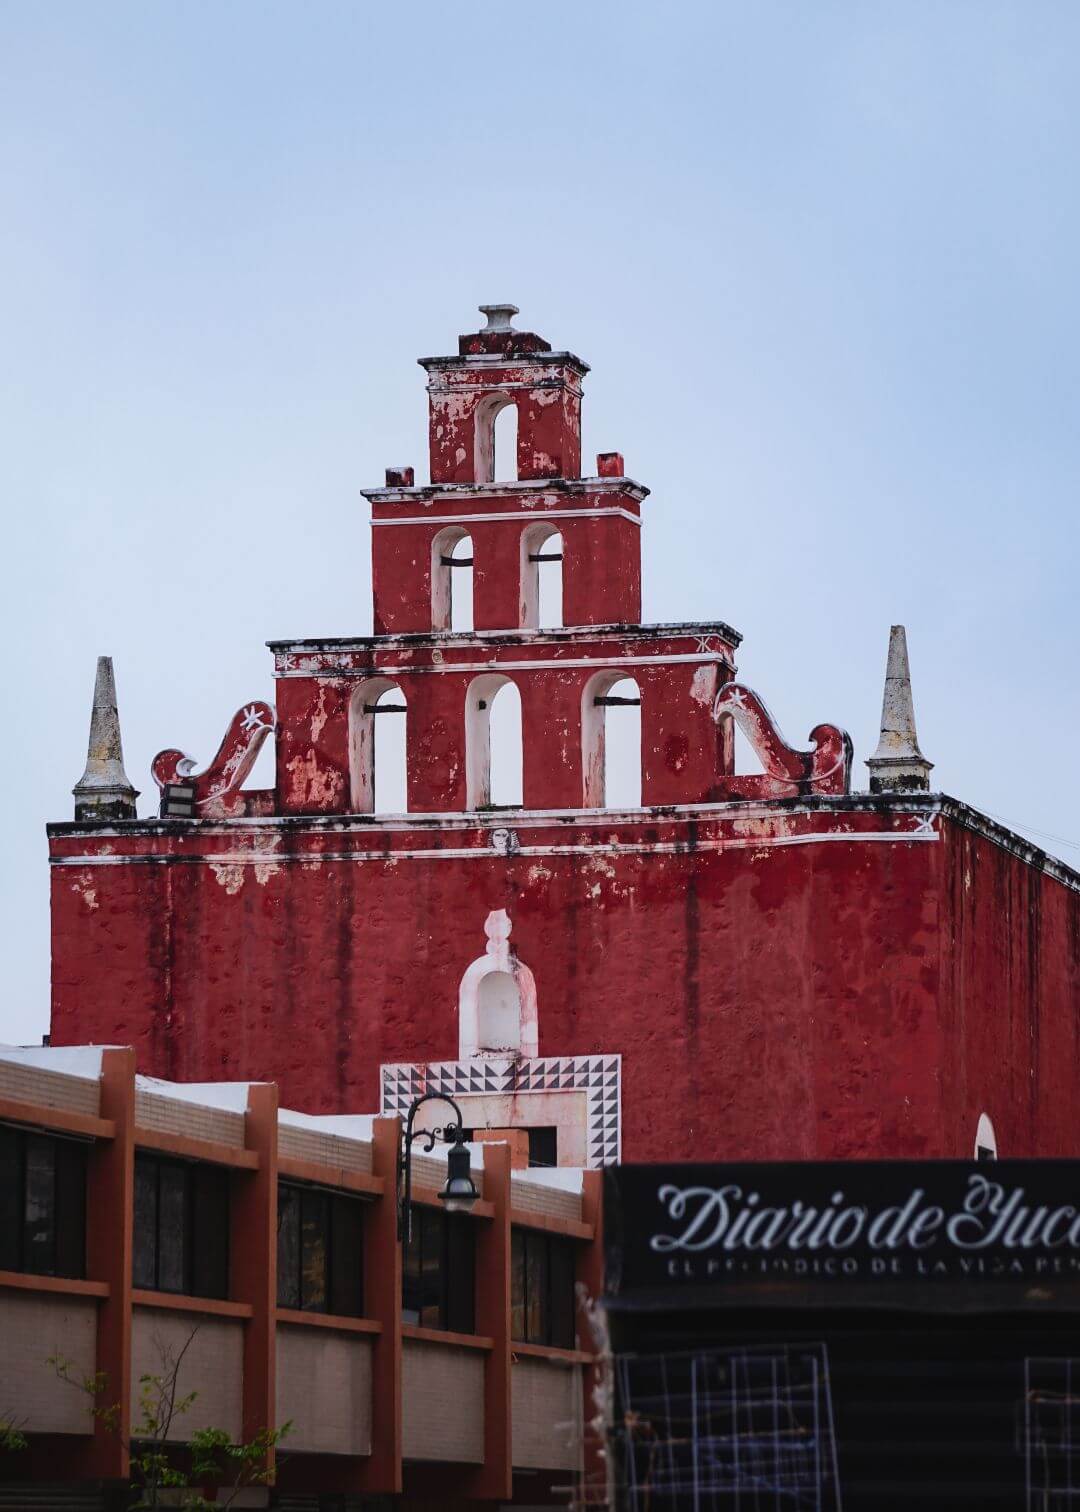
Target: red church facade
[739,967]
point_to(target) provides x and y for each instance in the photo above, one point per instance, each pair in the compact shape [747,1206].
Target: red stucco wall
[811,999]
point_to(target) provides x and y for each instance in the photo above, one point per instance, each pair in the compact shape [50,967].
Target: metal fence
[726,1430]
[1050,1433]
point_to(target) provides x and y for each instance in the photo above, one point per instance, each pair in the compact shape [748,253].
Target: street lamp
[459,1192]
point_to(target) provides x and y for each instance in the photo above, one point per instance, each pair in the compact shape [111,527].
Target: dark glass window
[439,1273]
[541,1288]
[42,1204]
[320,1255]
[543,1146]
[181,1239]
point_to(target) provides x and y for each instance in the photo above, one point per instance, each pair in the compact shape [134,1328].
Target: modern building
[148,1228]
[871,1335]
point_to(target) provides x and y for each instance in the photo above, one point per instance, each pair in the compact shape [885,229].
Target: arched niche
[611,741]
[493,751]
[541,576]
[497,999]
[451,586]
[369,748]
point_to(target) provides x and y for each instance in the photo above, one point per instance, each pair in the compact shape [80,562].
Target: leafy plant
[11,1435]
[159,1477]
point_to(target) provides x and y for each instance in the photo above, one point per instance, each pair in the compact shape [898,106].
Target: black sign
[827,1223]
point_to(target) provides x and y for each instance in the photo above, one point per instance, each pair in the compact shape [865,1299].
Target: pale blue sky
[822,258]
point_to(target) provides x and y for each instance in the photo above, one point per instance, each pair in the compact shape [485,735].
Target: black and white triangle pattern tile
[598,1076]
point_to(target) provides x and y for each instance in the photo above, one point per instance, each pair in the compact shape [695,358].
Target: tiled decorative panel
[597,1076]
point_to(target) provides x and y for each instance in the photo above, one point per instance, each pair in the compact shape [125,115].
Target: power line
[1031,830]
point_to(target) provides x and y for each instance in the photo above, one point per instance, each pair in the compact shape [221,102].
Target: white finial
[898,765]
[497,927]
[499,317]
[103,792]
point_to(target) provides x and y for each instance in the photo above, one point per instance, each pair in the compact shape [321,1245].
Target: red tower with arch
[495,525]
[731,965]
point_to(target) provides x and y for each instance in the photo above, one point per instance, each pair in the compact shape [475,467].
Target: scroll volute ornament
[788,772]
[217,789]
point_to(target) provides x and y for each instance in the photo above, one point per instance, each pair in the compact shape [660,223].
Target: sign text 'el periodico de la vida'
[888,1220]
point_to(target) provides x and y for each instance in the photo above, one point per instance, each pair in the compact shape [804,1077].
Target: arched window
[452,580]
[985,1139]
[377,745]
[541,576]
[492,743]
[611,741]
[504,437]
[495,439]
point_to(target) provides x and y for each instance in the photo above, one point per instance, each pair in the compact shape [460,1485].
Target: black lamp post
[459,1192]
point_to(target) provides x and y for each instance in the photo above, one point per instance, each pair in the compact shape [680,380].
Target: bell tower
[471,535]
[495,367]
[416,529]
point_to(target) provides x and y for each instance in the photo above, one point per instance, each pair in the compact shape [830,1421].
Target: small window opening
[451,579]
[543,1145]
[459,567]
[390,719]
[378,744]
[493,757]
[620,710]
[505,737]
[504,438]
[541,577]
[549,569]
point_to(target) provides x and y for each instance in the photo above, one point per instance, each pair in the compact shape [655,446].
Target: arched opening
[541,576]
[985,1139]
[498,1014]
[493,761]
[504,438]
[452,580]
[378,779]
[460,569]
[611,741]
[495,439]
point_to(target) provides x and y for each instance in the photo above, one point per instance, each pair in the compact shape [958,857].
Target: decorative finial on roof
[103,792]
[898,765]
[499,316]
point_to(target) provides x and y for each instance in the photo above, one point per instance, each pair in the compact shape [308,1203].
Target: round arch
[479,697]
[365,696]
[533,539]
[484,417]
[594,735]
[443,544]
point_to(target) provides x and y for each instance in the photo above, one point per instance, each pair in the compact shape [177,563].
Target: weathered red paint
[787,971]
[795,999]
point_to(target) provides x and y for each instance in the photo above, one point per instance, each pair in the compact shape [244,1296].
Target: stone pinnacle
[898,765]
[103,792]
